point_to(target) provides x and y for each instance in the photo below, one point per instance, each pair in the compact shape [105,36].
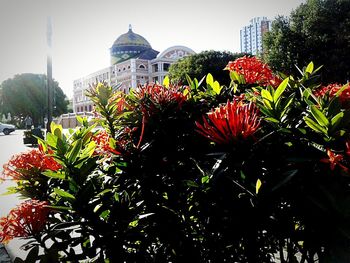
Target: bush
[197,173]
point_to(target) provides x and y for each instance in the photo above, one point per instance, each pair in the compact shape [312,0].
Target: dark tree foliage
[317,31]
[26,94]
[198,65]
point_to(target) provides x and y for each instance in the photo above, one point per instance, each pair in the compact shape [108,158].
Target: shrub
[198,173]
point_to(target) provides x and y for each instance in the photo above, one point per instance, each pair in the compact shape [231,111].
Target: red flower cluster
[120,102]
[334,160]
[160,96]
[33,160]
[25,220]
[102,144]
[230,123]
[332,89]
[254,71]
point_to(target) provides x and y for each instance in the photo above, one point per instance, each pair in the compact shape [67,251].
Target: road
[10,145]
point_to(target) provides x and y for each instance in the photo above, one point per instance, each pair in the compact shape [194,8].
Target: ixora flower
[102,140]
[334,160]
[254,71]
[34,160]
[27,219]
[331,91]
[160,96]
[230,122]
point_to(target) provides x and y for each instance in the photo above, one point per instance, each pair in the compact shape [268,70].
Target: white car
[7,128]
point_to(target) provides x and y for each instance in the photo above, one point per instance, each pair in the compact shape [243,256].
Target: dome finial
[130,27]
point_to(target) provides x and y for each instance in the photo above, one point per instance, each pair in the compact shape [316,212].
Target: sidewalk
[4,257]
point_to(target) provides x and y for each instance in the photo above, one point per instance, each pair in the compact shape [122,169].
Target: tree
[317,31]
[25,94]
[198,65]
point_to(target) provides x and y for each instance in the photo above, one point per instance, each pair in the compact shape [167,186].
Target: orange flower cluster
[160,96]
[25,220]
[254,71]
[331,90]
[230,122]
[33,160]
[102,144]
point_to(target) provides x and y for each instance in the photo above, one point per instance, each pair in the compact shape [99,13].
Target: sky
[84,30]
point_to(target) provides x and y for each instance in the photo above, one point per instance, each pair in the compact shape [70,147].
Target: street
[10,145]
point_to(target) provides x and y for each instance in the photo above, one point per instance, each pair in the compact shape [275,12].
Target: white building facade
[251,36]
[133,63]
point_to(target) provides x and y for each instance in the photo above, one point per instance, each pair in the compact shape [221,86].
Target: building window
[155,79]
[155,68]
[90,108]
[142,66]
[166,66]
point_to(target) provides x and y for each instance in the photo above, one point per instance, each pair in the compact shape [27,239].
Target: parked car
[7,128]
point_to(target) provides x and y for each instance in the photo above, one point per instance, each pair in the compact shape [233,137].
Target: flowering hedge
[197,173]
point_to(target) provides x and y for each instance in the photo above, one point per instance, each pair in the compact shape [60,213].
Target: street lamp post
[49,74]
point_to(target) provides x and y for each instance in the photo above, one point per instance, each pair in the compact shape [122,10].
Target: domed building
[133,62]
[131,45]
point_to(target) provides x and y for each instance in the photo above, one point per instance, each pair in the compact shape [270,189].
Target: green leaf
[191,183]
[190,82]
[88,150]
[337,119]
[313,125]
[280,89]
[342,89]
[56,129]
[166,82]
[257,186]
[58,207]
[272,119]
[72,155]
[64,194]
[51,140]
[80,119]
[205,179]
[53,174]
[104,192]
[10,191]
[310,68]
[266,95]
[319,116]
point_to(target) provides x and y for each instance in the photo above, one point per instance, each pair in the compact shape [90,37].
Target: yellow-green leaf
[280,89]
[319,116]
[257,186]
[310,68]
[166,82]
[210,80]
[216,87]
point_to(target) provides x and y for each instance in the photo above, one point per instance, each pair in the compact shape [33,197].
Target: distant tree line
[198,65]
[317,31]
[26,95]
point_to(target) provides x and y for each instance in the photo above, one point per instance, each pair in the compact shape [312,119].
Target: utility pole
[49,74]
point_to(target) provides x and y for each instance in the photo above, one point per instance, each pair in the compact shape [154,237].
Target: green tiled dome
[131,45]
[131,39]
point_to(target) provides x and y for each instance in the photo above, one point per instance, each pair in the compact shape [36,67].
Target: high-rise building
[252,34]
[133,62]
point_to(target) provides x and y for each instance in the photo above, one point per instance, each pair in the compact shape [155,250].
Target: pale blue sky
[83,31]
